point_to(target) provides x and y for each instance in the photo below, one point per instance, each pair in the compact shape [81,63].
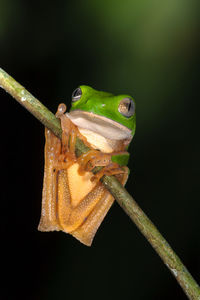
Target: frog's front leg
[95,158]
[69,133]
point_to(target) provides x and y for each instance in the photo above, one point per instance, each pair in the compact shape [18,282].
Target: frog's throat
[99,124]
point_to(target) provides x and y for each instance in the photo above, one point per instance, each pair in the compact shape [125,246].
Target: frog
[74,200]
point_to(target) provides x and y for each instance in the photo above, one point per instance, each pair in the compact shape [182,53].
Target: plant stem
[161,246]
[33,105]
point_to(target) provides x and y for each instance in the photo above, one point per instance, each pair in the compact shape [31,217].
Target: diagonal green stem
[161,246]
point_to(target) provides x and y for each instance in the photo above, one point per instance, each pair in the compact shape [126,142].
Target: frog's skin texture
[72,200]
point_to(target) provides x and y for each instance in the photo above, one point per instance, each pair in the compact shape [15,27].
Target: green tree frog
[74,200]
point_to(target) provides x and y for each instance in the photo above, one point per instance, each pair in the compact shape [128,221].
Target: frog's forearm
[161,246]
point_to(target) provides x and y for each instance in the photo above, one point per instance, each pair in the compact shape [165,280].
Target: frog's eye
[126,107]
[76,95]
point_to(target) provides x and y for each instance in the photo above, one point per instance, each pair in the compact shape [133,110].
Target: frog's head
[113,116]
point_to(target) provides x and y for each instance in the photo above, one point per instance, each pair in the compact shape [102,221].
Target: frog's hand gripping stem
[106,163]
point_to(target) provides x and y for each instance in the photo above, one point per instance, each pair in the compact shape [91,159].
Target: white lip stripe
[99,124]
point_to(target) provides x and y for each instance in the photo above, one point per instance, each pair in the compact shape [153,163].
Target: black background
[145,48]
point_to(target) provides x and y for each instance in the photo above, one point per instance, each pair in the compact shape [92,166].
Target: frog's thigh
[77,196]
[63,198]
[48,220]
[86,232]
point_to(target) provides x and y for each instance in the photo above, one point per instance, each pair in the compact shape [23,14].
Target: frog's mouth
[99,124]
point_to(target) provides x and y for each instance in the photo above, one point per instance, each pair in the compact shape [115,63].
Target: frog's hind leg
[86,232]
[48,220]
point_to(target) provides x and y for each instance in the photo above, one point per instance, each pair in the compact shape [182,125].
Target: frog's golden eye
[126,107]
[76,95]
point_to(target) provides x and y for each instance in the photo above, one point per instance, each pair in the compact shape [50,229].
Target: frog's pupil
[126,107]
